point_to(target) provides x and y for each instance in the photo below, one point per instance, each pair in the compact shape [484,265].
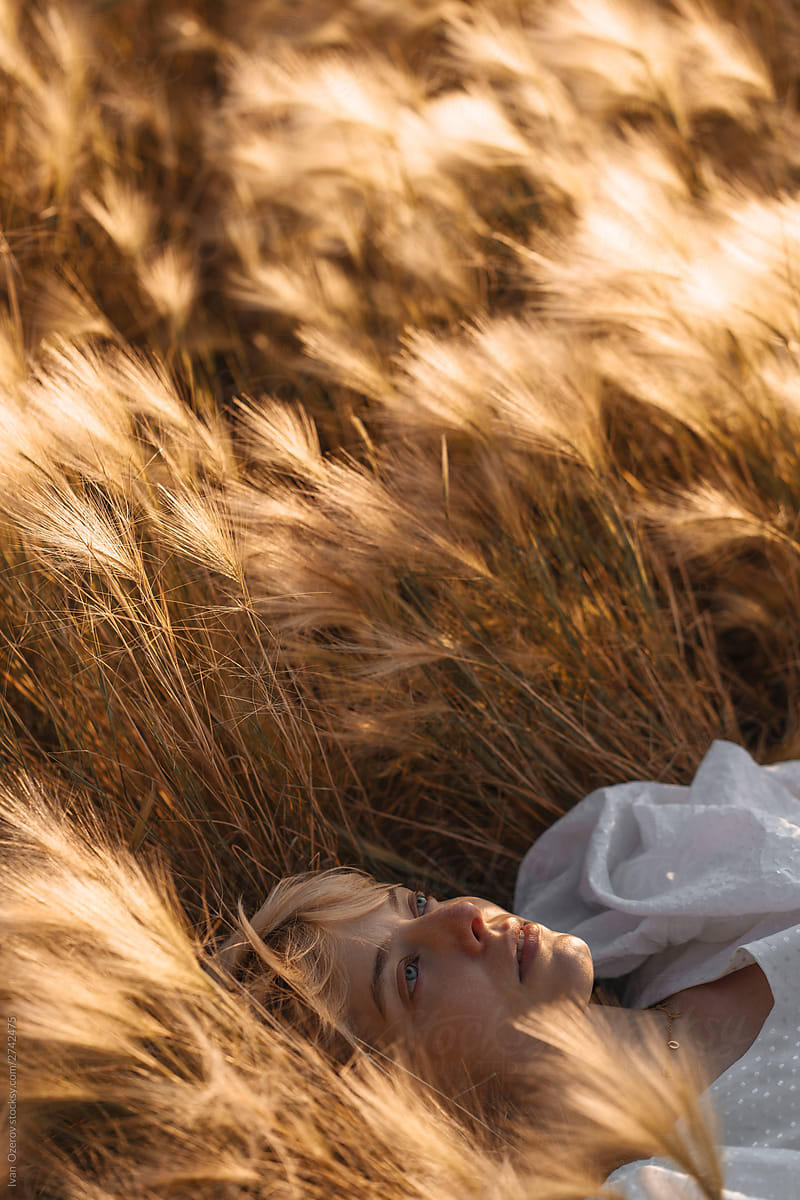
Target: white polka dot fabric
[758,1098]
[676,886]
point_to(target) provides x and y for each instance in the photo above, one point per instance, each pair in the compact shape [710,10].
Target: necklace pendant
[673,1045]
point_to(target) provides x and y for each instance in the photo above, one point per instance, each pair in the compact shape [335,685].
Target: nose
[457,923]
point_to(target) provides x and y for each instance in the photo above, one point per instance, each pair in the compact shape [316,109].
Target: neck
[624,1085]
[630,1027]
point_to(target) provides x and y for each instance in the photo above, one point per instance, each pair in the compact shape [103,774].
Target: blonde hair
[285,955]
[286,958]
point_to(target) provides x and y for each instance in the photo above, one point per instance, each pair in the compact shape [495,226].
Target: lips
[527,948]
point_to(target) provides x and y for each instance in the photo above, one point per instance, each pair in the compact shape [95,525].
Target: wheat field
[399,425]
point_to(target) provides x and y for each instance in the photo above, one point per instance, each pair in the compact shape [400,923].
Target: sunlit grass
[399,414]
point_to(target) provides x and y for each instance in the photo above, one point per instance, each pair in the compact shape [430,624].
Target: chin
[578,966]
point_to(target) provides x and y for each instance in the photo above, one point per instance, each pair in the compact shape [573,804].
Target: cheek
[465,1045]
[464,1024]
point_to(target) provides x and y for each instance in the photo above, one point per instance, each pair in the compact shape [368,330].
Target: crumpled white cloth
[662,882]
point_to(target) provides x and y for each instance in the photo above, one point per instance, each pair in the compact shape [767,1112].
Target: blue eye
[417,897]
[411,974]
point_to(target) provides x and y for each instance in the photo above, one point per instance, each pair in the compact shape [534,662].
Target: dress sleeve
[646,869]
[750,1173]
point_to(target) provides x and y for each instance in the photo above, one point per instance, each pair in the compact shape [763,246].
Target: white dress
[672,887]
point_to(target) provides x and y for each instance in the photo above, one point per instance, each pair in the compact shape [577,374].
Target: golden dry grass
[141,1075]
[398,425]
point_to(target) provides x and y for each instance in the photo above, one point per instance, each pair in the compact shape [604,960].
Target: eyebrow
[381,956]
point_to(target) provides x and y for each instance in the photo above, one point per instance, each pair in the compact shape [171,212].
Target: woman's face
[445,980]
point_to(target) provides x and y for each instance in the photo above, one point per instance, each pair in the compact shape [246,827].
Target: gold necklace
[673,1045]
